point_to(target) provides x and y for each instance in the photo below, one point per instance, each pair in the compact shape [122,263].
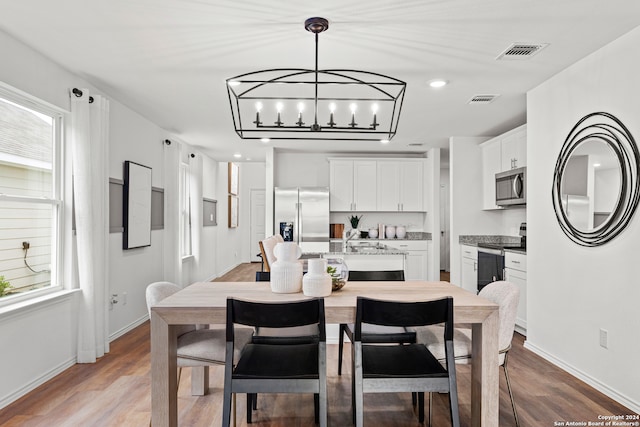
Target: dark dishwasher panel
[490,267]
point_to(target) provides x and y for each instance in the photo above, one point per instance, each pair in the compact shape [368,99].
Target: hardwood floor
[115,391]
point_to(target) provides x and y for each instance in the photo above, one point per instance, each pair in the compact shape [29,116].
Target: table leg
[164,396]
[484,373]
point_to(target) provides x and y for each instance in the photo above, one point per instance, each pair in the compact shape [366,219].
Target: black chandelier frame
[389,92]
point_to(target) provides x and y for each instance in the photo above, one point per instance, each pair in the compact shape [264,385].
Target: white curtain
[90,157]
[172,256]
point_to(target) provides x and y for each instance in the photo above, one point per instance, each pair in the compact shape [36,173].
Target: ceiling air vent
[416,144]
[521,50]
[482,99]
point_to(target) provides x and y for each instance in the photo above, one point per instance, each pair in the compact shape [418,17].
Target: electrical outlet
[113,300]
[604,339]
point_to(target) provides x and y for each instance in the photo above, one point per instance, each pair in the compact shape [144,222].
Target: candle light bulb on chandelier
[300,123]
[258,108]
[332,109]
[353,108]
[374,108]
[279,107]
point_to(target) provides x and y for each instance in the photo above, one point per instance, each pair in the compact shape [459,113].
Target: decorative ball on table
[339,272]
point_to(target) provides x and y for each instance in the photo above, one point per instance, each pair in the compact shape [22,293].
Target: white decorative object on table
[401,232]
[373,233]
[317,282]
[286,271]
[390,232]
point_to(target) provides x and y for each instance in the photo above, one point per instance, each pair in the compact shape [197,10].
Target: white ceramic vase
[286,271]
[390,232]
[373,233]
[317,282]
[401,232]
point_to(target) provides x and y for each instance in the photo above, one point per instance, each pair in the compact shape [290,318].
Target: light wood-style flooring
[115,391]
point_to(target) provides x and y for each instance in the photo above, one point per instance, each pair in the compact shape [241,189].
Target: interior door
[257,223]
[445,256]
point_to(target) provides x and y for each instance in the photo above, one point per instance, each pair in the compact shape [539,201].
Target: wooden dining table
[205,303]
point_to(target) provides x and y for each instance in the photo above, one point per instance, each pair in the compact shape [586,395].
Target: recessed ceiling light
[237,155]
[384,141]
[265,140]
[596,165]
[249,159]
[437,83]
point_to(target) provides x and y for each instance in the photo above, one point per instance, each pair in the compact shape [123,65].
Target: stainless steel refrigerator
[301,215]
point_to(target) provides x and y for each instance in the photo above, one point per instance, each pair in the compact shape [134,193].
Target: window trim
[59,116]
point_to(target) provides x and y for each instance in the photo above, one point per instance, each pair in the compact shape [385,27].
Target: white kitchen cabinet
[505,152]
[352,185]
[417,260]
[469,270]
[514,149]
[515,271]
[400,185]
[491,165]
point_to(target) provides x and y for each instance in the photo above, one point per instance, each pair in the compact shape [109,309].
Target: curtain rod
[78,93]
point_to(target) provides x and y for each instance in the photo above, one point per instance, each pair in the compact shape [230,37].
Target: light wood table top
[205,303]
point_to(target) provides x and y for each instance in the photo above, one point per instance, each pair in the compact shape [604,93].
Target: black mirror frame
[611,131]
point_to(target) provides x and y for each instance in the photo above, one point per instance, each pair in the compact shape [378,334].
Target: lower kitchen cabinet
[417,260]
[516,272]
[469,268]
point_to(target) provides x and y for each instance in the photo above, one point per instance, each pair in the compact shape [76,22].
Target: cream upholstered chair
[506,295]
[196,347]
[266,249]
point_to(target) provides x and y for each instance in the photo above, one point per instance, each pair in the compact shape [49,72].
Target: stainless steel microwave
[511,187]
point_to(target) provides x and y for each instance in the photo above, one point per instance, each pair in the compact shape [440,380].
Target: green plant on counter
[5,286]
[337,282]
[355,220]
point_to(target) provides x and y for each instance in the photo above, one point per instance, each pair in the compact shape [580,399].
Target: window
[185,210]
[30,195]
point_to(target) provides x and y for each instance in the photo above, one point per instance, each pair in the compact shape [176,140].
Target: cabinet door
[341,185]
[412,186]
[514,150]
[491,165]
[388,182]
[364,186]
[416,267]
[469,275]
[519,278]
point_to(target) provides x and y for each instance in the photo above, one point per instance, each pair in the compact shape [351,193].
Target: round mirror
[596,187]
[591,186]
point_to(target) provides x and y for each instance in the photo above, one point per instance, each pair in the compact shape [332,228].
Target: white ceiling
[168,59]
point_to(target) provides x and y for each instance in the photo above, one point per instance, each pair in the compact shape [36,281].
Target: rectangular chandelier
[298,103]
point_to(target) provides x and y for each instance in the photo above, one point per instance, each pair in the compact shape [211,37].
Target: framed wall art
[233,179]
[233,211]
[136,212]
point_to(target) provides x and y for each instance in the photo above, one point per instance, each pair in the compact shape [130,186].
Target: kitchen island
[363,255]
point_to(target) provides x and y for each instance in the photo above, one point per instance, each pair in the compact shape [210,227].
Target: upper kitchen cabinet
[352,185]
[514,149]
[502,153]
[400,185]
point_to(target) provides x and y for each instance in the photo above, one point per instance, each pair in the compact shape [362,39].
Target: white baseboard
[601,387]
[128,328]
[9,399]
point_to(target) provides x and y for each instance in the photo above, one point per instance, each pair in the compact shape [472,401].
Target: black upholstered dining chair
[275,365]
[397,368]
[374,333]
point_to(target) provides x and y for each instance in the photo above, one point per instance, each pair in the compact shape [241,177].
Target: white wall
[574,291]
[41,341]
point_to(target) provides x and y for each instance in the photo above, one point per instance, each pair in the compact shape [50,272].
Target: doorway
[444,221]
[257,232]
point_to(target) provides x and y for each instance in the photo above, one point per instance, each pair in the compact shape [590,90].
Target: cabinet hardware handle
[515,262]
[475,266]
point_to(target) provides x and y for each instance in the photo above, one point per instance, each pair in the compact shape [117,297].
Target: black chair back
[263,276]
[369,276]
[396,313]
[276,315]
